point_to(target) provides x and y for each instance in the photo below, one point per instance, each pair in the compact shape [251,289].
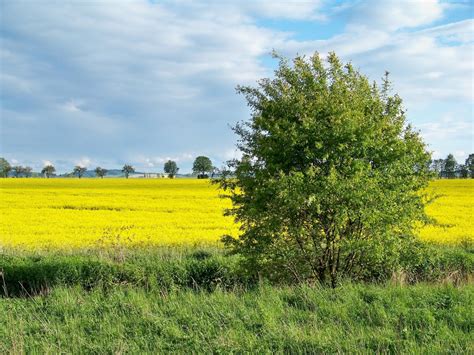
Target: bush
[329,181]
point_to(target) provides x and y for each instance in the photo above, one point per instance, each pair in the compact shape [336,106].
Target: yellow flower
[73,213]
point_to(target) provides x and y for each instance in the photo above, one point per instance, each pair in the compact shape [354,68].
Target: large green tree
[5,167]
[202,166]
[171,168]
[331,176]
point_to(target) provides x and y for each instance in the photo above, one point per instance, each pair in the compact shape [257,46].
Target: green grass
[197,300]
[351,318]
[167,268]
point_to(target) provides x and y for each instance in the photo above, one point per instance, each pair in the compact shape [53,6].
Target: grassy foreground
[351,318]
[197,300]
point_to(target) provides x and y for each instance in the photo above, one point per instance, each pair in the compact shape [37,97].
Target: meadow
[89,213]
[116,266]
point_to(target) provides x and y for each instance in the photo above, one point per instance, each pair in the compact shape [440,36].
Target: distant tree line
[202,168]
[449,168]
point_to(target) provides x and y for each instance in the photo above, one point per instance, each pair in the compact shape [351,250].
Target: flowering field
[73,213]
[453,212]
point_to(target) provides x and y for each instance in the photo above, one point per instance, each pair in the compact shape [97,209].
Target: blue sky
[113,82]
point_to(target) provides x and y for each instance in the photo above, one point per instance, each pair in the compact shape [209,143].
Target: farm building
[147,175]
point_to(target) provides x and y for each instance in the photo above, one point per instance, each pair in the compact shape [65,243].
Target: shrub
[329,181]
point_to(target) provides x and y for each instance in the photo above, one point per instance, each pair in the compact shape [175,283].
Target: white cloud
[296,9]
[84,162]
[446,129]
[72,106]
[395,14]
[460,156]
[158,161]
[461,31]
[423,64]
[229,154]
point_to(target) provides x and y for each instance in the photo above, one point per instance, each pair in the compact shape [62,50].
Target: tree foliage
[171,168]
[18,170]
[330,179]
[5,167]
[27,171]
[469,163]
[437,166]
[48,170]
[127,170]
[450,165]
[100,172]
[79,171]
[202,166]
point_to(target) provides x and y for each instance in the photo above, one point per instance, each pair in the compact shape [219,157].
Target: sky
[104,83]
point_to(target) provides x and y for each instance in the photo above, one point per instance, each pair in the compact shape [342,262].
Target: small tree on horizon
[127,170]
[469,163]
[171,168]
[18,170]
[79,171]
[5,167]
[27,170]
[48,170]
[100,172]
[437,166]
[450,165]
[331,179]
[202,166]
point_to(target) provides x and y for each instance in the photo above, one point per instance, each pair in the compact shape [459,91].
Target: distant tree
[202,166]
[100,172]
[48,170]
[171,168]
[215,171]
[332,177]
[437,166]
[18,170]
[127,170]
[470,165]
[463,171]
[450,166]
[79,171]
[5,167]
[27,171]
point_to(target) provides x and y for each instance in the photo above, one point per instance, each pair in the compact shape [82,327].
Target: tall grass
[167,268]
[196,300]
[352,318]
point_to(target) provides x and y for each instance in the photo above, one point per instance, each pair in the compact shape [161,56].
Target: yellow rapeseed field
[83,213]
[72,213]
[453,212]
